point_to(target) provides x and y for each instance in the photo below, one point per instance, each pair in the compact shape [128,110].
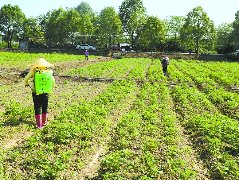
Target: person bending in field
[165,63]
[43,82]
[86,55]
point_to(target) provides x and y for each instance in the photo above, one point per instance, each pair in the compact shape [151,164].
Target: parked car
[85,47]
[235,53]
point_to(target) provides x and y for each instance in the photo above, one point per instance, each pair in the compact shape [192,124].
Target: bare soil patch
[16,140]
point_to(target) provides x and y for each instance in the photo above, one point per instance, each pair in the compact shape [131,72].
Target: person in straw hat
[43,82]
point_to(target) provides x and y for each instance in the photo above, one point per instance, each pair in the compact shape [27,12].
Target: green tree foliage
[153,33]
[224,38]
[85,9]
[81,25]
[174,24]
[54,27]
[198,32]
[133,16]
[88,23]
[235,32]
[86,28]
[11,23]
[109,26]
[32,31]
[73,25]
[61,27]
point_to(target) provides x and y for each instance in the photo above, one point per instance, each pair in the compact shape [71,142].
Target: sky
[220,11]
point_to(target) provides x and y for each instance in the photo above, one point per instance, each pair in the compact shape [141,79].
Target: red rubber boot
[38,121]
[44,119]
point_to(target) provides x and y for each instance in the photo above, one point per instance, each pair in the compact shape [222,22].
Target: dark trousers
[40,103]
[165,70]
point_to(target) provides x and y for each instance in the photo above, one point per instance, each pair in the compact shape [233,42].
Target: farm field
[121,119]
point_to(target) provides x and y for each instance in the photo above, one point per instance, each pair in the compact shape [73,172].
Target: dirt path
[192,158]
[16,140]
[92,166]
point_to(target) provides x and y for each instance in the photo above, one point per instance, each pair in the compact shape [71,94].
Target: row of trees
[66,28]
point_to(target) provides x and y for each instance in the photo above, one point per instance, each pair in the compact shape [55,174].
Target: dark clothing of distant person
[165,63]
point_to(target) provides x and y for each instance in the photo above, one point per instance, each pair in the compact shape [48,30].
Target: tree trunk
[197,47]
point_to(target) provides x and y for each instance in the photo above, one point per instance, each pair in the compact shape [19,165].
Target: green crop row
[144,144]
[93,70]
[71,134]
[214,135]
[145,141]
[17,114]
[21,60]
[115,68]
[155,72]
[223,73]
[227,102]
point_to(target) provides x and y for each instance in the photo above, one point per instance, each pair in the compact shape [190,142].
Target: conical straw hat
[41,63]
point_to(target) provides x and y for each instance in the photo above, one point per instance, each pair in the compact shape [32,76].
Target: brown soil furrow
[193,158]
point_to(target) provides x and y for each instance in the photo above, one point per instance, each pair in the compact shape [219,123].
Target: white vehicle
[85,47]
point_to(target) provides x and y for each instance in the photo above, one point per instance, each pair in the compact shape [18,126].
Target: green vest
[43,82]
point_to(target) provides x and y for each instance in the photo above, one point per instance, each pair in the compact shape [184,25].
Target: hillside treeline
[65,28]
